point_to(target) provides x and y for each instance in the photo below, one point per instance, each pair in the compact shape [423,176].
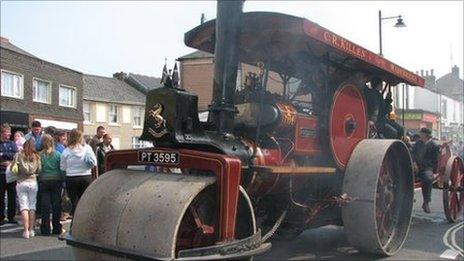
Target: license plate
[160,157]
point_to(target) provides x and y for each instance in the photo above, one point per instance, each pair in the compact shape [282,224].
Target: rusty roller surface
[134,211]
[379,181]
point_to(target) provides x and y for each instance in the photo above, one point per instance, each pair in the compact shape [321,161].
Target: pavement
[12,245]
[429,237]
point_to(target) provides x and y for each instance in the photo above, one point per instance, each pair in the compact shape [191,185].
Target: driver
[378,110]
[425,152]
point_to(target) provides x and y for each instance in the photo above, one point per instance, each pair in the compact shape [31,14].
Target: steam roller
[303,156]
[144,215]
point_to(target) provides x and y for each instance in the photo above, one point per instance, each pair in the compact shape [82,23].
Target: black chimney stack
[226,59]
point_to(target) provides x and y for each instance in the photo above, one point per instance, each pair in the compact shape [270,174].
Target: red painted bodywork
[341,142]
[445,154]
[351,49]
[272,157]
[306,145]
[226,168]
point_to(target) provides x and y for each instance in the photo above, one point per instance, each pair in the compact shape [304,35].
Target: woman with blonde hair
[28,163]
[77,160]
[50,180]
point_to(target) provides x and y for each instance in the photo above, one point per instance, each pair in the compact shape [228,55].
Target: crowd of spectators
[44,169]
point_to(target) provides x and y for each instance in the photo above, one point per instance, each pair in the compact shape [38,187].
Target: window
[87,112]
[67,96]
[137,116]
[42,91]
[101,112]
[113,114]
[444,108]
[12,84]
[137,143]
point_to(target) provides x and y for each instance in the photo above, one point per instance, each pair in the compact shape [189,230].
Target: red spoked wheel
[387,211]
[453,189]
[199,226]
[379,182]
[347,122]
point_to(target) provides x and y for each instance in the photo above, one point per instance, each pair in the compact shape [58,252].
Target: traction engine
[265,164]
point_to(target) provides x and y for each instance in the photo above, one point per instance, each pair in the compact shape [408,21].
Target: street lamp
[399,24]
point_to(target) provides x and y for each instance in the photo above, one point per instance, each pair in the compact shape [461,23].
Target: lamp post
[399,24]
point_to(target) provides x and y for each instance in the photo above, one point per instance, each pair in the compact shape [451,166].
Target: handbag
[14,167]
[11,172]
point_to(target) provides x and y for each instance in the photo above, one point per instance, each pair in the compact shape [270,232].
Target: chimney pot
[455,71]
[120,76]
[422,72]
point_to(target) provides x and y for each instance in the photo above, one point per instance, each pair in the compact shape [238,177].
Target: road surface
[430,235]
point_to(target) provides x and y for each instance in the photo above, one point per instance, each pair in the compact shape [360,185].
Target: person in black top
[7,151]
[102,149]
[425,154]
[378,110]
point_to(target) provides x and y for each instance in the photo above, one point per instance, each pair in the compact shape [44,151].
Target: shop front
[414,120]
[18,121]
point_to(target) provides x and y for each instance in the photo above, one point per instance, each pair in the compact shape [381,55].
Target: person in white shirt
[77,160]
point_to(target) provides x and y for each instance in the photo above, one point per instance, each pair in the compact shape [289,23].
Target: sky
[105,37]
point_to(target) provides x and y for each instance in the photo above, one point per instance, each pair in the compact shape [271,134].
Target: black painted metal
[234,249]
[226,58]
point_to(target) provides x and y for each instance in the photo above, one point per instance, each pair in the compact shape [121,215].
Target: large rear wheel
[453,189]
[379,181]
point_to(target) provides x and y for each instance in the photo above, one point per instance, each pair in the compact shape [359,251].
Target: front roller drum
[453,189]
[142,215]
[380,183]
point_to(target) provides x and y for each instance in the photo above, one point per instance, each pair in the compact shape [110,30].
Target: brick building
[117,106]
[35,89]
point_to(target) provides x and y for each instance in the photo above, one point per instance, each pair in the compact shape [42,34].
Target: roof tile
[108,89]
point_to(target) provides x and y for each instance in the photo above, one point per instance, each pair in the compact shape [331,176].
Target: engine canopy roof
[293,45]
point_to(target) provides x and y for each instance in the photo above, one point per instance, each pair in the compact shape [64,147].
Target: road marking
[453,238]
[449,254]
[451,233]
